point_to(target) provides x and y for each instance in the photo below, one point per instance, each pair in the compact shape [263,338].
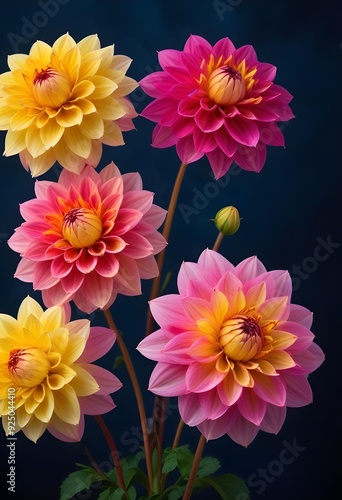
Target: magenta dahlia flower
[232,347]
[216,101]
[89,237]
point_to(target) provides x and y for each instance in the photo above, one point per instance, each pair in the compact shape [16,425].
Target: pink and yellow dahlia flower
[89,237]
[61,103]
[232,347]
[47,380]
[216,101]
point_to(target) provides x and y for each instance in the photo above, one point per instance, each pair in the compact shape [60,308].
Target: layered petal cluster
[89,237]
[232,347]
[46,361]
[61,103]
[216,101]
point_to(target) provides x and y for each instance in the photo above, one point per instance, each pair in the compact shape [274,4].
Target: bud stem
[218,241]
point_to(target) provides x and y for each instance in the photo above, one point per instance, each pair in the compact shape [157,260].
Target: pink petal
[187,151]
[189,107]
[224,48]
[201,377]
[307,361]
[198,45]
[107,381]
[137,247]
[66,432]
[199,289]
[168,309]
[86,262]
[298,391]
[215,264]
[214,429]
[212,404]
[96,405]
[155,216]
[148,267]
[177,348]
[226,143]
[96,290]
[99,342]
[243,131]
[157,84]
[270,389]
[127,218]
[73,280]
[60,268]
[251,407]
[189,271]
[274,419]
[33,209]
[229,284]
[163,137]
[228,390]
[245,52]
[42,277]
[271,134]
[305,336]
[55,295]
[209,121]
[242,431]
[168,380]
[249,269]
[25,270]
[127,280]
[251,159]
[190,409]
[169,57]
[152,346]
[138,200]
[35,251]
[107,266]
[219,162]
[300,314]
[204,142]
[196,308]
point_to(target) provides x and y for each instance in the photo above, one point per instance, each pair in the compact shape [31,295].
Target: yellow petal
[34,429]
[77,142]
[67,159]
[92,126]
[29,306]
[64,371]
[63,44]
[30,405]
[104,87]
[256,295]
[42,119]
[51,318]
[59,340]
[67,407]
[41,51]
[109,109]
[42,163]
[34,144]
[15,142]
[69,116]
[86,106]
[10,327]
[89,66]
[22,416]
[266,367]
[84,384]
[121,63]
[112,135]
[280,360]
[219,304]
[45,410]
[242,375]
[238,303]
[127,85]
[6,114]
[16,61]
[21,120]
[88,44]
[70,63]
[51,133]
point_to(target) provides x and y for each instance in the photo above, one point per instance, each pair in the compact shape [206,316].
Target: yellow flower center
[226,86]
[51,88]
[241,338]
[28,367]
[81,227]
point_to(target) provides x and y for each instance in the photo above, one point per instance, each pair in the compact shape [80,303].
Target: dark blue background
[292,202]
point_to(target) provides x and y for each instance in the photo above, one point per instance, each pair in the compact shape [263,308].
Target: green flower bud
[227,220]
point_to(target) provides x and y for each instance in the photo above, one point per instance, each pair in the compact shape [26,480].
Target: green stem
[194,468]
[138,396]
[113,450]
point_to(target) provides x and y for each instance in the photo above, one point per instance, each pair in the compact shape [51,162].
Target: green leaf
[181,457]
[208,466]
[173,492]
[119,361]
[112,494]
[229,486]
[130,470]
[78,481]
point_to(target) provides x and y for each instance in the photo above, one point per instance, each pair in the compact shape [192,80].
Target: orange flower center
[28,367]
[51,88]
[81,227]
[226,86]
[241,338]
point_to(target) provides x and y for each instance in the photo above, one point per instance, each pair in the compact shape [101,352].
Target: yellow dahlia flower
[61,103]
[47,380]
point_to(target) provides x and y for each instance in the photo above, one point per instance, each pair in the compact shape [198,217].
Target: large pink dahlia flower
[89,237]
[47,375]
[216,101]
[232,347]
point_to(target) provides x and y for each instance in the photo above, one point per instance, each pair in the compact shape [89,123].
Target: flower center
[28,367]
[51,88]
[241,338]
[226,86]
[81,227]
